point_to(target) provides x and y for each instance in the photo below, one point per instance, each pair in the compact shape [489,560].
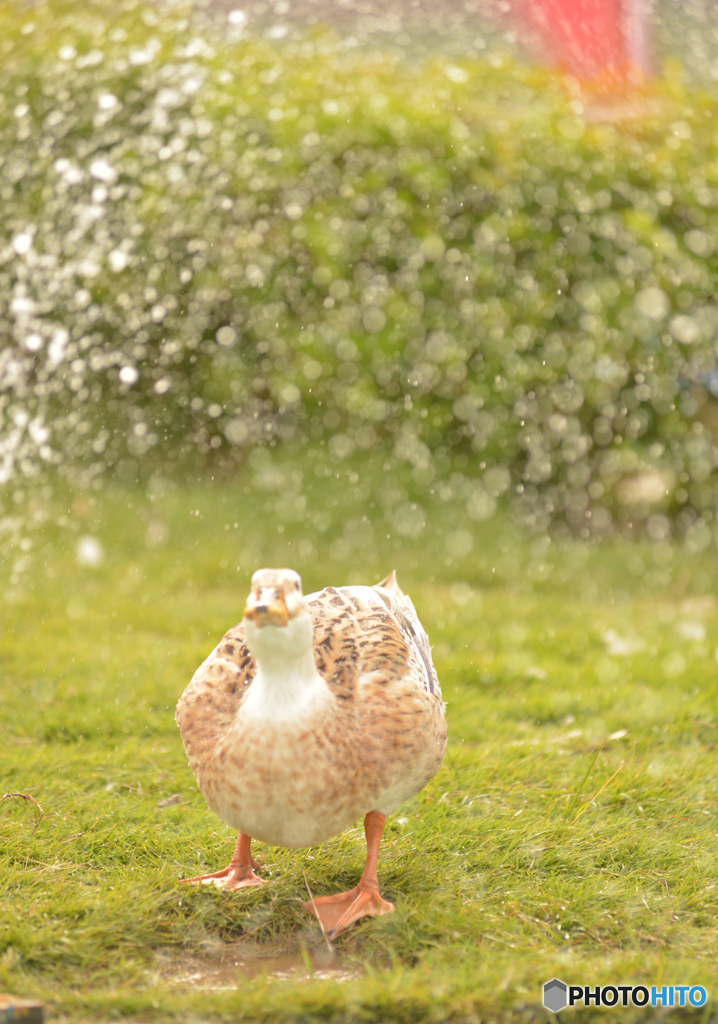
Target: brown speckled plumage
[374,741]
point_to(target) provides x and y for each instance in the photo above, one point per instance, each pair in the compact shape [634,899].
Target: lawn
[289,302]
[571,831]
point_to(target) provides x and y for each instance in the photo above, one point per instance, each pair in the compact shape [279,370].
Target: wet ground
[229,966]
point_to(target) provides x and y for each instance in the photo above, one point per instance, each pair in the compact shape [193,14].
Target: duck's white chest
[291,701]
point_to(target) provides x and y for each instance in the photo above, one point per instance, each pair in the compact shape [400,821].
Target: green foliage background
[213,245]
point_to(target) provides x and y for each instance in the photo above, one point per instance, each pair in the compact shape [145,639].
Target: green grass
[570,832]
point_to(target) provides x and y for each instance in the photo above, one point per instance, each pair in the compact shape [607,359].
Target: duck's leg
[336,913]
[239,870]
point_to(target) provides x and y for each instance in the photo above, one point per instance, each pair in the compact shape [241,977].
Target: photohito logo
[557,995]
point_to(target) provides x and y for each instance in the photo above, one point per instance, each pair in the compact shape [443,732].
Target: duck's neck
[287,685]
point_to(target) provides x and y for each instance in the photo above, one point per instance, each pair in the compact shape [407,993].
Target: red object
[600,41]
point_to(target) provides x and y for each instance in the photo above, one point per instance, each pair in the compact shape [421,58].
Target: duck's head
[275,598]
[277,624]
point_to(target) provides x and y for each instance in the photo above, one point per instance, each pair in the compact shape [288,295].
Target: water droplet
[374,320]
[108,101]
[699,243]
[22,243]
[103,171]
[459,543]
[685,329]
[129,375]
[226,336]
[652,303]
[433,248]
[89,552]
[456,74]
[118,260]
[236,431]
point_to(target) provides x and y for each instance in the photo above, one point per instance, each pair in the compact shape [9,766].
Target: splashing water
[224,246]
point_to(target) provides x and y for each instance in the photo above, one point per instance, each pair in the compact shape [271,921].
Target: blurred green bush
[213,245]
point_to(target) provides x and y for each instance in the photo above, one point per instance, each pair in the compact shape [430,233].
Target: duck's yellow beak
[267,608]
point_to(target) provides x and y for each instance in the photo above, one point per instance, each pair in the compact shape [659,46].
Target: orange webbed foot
[337,913]
[235,879]
[239,872]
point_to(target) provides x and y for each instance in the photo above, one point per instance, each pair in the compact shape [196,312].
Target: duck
[312,713]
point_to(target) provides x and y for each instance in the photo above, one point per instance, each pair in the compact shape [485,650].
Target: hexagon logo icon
[554,995]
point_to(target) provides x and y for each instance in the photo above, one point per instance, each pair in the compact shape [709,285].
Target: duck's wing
[370,632]
[418,642]
[208,706]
